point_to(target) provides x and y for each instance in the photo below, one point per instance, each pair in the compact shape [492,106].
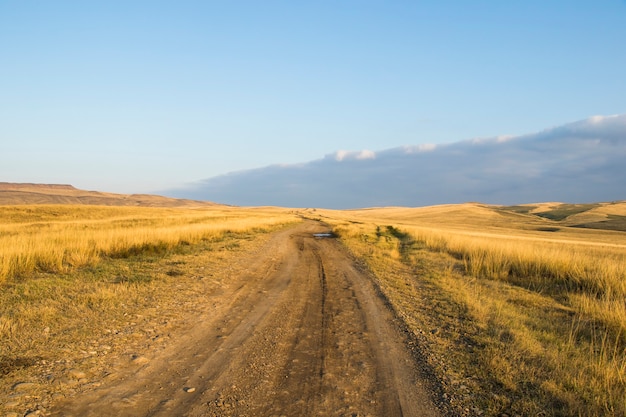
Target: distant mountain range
[16,193]
[583,161]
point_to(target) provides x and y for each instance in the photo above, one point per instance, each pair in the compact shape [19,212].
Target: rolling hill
[26,193]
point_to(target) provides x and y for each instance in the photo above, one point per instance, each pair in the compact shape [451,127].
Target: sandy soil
[302,332]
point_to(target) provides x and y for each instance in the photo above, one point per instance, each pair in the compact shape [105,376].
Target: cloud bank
[579,162]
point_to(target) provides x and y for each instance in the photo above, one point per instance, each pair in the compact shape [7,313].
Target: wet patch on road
[324,235]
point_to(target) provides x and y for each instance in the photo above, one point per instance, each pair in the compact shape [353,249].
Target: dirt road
[301,333]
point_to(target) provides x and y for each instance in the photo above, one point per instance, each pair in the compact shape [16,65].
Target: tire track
[302,333]
[324,324]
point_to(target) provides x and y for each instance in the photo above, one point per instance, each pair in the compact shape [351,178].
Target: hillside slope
[26,193]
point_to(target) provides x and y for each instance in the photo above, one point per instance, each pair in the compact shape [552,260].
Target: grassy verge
[60,238]
[513,322]
[58,327]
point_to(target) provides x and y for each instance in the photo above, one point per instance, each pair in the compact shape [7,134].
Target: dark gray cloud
[579,162]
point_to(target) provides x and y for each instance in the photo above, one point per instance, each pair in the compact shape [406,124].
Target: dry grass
[61,238]
[518,314]
[79,282]
[523,315]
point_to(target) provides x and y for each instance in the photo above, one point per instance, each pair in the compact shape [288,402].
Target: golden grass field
[60,238]
[526,312]
[71,273]
[518,310]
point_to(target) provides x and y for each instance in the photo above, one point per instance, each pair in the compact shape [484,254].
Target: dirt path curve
[302,333]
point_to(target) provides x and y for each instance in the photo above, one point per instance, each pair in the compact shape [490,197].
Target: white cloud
[341,155]
[504,138]
[610,128]
[424,147]
[365,154]
[577,162]
[599,119]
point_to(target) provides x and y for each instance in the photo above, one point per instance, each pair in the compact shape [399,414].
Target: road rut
[302,332]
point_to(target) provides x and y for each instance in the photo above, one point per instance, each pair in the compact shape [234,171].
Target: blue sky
[141,96]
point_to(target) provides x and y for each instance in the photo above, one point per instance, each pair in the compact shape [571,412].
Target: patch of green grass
[517,209]
[613,222]
[563,211]
[397,233]
[548,229]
